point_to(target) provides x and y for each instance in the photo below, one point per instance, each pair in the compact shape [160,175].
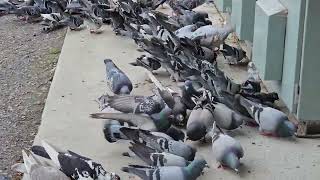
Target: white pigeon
[34,169]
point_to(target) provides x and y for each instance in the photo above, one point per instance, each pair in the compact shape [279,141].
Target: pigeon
[112,132]
[6,7]
[117,80]
[154,158]
[189,92]
[34,169]
[151,63]
[172,99]
[155,122]
[186,31]
[133,104]
[200,121]
[226,149]
[161,144]
[227,118]
[271,121]
[74,165]
[187,4]
[212,36]
[190,172]
[232,54]
[30,13]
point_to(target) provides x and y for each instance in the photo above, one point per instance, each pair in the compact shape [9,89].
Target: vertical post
[242,17]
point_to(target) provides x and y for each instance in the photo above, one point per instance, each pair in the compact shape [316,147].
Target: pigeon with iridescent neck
[226,149]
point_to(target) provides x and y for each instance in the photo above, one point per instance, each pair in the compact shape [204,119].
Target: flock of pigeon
[186,45]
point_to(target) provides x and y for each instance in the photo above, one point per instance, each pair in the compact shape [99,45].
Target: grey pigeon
[111,131]
[74,165]
[133,104]
[118,81]
[154,158]
[34,169]
[191,172]
[187,4]
[156,122]
[227,150]
[233,55]
[161,144]
[186,31]
[271,121]
[212,36]
[227,118]
[200,122]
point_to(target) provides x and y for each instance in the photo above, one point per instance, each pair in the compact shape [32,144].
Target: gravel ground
[28,59]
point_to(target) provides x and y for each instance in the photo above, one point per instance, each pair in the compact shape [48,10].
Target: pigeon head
[111,132]
[286,129]
[124,90]
[196,131]
[196,167]
[232,161]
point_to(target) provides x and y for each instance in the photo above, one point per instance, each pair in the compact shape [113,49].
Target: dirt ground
[28,59]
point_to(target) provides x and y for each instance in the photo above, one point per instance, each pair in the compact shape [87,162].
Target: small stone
[253,143]
[249,171]
[62,96]
[297,166]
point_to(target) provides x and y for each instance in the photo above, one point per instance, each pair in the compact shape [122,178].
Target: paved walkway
[79,80]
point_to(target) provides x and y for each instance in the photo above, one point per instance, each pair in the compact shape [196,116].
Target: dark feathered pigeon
[191,172]
[118,81]
[160,144]
[112,132]
[74,165]
[149,62]
[233,55]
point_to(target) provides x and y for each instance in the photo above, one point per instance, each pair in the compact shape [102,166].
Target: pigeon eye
[85,174]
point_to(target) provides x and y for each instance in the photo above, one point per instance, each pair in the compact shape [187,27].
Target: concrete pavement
[80,78]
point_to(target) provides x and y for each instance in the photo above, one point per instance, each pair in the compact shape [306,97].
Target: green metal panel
[309,108]
[224,5]
[242,17]
[292,54]
[269,36]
